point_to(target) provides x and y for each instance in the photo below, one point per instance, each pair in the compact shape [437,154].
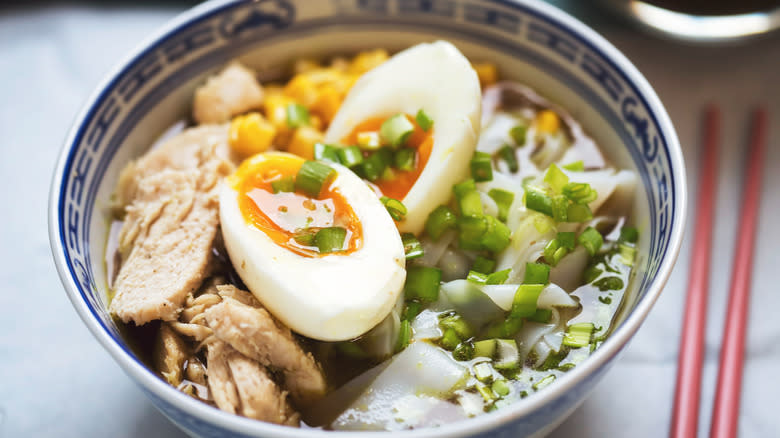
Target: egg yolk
[402,181]
[286,217]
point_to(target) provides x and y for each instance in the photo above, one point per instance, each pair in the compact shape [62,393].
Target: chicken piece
[195,371]
[197,332]
[170,353]
[241,385]
[256,334]
[232,91]
[171,222]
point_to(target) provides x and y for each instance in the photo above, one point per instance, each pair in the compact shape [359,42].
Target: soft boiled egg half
[313,243]
[424,102]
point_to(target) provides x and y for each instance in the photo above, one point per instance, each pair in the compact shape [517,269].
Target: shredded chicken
[232,91]
[170,354]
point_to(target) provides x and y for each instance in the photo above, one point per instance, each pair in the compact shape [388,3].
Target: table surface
[56,380]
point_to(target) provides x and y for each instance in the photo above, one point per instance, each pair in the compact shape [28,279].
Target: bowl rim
[152,385]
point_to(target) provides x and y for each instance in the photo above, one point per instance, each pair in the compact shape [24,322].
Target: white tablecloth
[55,379]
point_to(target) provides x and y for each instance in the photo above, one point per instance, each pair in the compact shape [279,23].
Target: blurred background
[56,380]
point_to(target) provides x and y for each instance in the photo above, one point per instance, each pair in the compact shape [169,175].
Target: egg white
[333,297]
[434,77]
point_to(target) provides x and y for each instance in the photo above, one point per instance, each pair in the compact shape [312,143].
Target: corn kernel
[367,60]
[304,65]
[339,63]
[487,73]
[275,107]
[250,134]
[302,89]
[327,103]
[324,76]
[547,122]
[303,140]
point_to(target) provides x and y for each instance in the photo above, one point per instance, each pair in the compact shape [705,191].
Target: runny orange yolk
[402,181]
[283,215]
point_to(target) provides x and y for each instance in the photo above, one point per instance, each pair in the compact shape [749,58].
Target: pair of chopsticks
[686,402]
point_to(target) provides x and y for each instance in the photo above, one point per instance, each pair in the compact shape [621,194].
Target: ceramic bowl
[530,41]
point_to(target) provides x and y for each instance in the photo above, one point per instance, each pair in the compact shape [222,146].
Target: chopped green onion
[591,239]
[404,159]
[500,387]
[457,323]
[470,232]
[609,283]
[518,134]
[560,208]
[579,213]
[477,277]
[578,335]
[483,372]
[555,178]
[412,247]
[396,130]
[486,392]
[549,251]
[507,355]
[330,239]
[496,236]
[305,237]
[440,220]
[468,199]
[498,277]
[350,156]
[375,164]
[483,265]
[580,193]
[423,120]
[629,234]
[462,188]
[326,152]
[576,166]
[486,348]
[544,382]
[404,335]
[567,239]
[506,328]
[504,199]
[388,174]
[524,302]
[411,310]
[369,140]
[285,184]
[449,339]
[297,115]
[541,315]
[536,273]
[464,351]
[591,273]
[558,255]
[312,176]
[507,153]
[537,200]
[481,167]
[627,254]
[422,283]
[395,207]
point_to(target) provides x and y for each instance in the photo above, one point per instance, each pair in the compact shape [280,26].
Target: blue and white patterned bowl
[530,41]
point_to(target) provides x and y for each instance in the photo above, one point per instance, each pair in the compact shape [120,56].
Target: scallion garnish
[470,231]
[312,176]
[500,387]
[485,348]
[576,166]
[326,152]
[544,382]
[404,335]
[373,166]
[469,202]
[578,335]
[518,134]
[541,315]
[457,323]
[369,140]
[422,283]
[504,199]
[423,120]
[297,115]
[284,184]
[449,339]
[507,153]
[396,130]
[481,167]
[404,159]
[507,354]
[395,207]
[483,265]
[464,351]
[579,213]
[483,372]
[477,277]
[305,237]
[629,234]
[498,277]
[536,273]
[580,193]
[591,239]
[412,247]
[350,156]
[537,200]
[555,178]
[411,310]
[330,239]
[560,208]
[497,235]
[524,302]
[567,239]
[440,220]
[627,254]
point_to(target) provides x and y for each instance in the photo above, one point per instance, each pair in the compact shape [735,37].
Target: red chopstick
[686,400]
[725,413]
